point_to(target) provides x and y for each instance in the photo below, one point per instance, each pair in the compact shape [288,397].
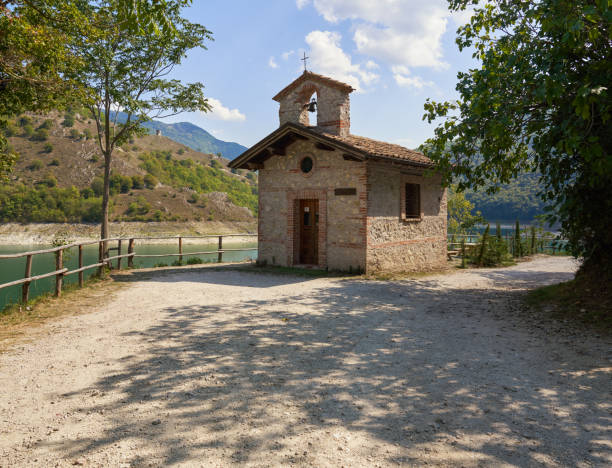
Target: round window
[306,165]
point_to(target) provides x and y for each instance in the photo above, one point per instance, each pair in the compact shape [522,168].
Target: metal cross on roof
[304,60]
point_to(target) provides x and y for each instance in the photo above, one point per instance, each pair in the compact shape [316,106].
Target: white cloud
[220,112]
[372,65]
[328,58]
[398,32]
[301,3]
[286,55]
[272,63]
[402,77]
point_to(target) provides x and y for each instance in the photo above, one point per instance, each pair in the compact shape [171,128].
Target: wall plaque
[345,191]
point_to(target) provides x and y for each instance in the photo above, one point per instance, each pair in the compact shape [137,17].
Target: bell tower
[311,92]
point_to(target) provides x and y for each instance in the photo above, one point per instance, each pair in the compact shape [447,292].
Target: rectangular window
[413,201]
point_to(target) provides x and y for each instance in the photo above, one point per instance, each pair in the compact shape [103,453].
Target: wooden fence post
[131,251]
[220,254]
[119,254]
[59,264]
[25,289]
[101,259]
[180,250]
[81,274]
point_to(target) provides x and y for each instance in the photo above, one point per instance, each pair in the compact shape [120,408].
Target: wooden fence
[105,260]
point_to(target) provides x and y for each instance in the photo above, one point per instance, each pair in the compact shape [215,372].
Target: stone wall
[396,244]
[342,218]
[333,107]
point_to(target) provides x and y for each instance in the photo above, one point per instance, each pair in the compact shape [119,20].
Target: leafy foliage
[540,101]
[198,177]
[461,220]
[47,204]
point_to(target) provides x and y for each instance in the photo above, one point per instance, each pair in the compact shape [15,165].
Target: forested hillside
[516,200]
[58,177]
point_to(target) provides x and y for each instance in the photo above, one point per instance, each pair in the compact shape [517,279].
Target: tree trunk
[106,198]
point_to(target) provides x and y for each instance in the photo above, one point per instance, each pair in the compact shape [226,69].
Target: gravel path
[219,368]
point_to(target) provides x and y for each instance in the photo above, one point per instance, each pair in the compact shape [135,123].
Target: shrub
[97,185]
[35,165]
[75,134]
[25,120]
[47,124]
[87,193]
[10,130]
[68,120]
[158,215]
[95,158]
[48,148]
[160,265]
[194,197]
[87,134]
[137,182]
[250,175]
[150,181]
[181,151]
[194,261]
[40,135]
[28,130]
[54,162]
[216,164]
[138,207]
[50,181]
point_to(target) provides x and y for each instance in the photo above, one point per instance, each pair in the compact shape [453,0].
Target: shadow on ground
[394,363]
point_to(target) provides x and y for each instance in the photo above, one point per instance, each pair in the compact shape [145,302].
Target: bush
[35,165]
[47,124]
[75,134]
[194,197]
[491,250]
[25,120]
[28,130]
[160,265]
[40,135]
[48,148]
[137,182]
[87,193]
[54,162]
[10,130]
[138,207]
[68,120]
[215,164]
[87,134]
[158,215]
[50,181]
[194,261]
[181,151]
[150,181]
[97,185]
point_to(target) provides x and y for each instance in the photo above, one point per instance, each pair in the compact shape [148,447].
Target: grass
[17,320]
[583,301]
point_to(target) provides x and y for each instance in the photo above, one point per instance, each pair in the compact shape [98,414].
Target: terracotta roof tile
[314,77]
[381,148]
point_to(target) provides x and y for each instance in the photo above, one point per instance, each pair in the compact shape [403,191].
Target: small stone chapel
[331,199]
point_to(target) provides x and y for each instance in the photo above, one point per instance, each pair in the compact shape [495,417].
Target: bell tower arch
[332,107]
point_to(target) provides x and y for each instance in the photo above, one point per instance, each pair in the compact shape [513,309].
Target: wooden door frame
[292,243]
[313,226]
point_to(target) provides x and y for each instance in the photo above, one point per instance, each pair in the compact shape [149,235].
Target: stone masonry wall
[397,245]
[342,218]
[333,107]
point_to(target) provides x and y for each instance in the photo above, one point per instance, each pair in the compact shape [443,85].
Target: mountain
[193,136]
[515,200]
[57,177]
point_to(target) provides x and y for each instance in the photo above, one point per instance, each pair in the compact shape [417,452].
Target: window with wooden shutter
[412,201]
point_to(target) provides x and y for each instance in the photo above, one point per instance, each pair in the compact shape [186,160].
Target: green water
[13,269]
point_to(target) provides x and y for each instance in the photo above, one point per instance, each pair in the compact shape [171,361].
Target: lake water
[14,268]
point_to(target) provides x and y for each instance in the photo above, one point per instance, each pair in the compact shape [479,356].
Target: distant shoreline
[45,233]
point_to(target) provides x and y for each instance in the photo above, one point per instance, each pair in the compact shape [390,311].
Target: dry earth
[219,368]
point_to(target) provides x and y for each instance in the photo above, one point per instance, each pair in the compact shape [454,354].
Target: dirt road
[220,368]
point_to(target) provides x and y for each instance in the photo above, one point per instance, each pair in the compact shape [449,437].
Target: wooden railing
[104,260]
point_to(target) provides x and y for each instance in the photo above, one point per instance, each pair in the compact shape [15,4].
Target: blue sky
[397,53]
